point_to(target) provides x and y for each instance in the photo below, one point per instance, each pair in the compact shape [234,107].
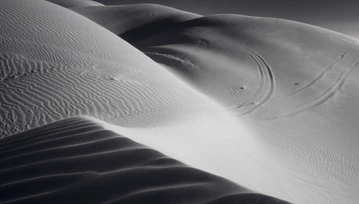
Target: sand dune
[91,72]
[78,161]
[295,82]
[268,104]
[136,22]
[66,66]
[75,3]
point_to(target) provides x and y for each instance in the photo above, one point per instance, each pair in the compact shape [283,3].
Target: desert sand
[246,102]
[78,161]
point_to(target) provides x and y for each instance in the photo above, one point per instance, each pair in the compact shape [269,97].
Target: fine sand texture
[78,161]
[268,104]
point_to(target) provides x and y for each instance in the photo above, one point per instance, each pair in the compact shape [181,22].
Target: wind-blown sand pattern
[268,104]
[78,161]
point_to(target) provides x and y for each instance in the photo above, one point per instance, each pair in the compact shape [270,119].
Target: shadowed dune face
[78,161]
[136,22]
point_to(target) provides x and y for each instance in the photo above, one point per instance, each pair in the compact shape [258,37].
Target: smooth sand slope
[297,84]
[78,161]
[266,103]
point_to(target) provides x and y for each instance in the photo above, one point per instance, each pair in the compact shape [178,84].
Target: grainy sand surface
[78,161]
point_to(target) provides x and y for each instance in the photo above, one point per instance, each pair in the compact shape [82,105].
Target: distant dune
[75,3]
[138,21]
[268,104]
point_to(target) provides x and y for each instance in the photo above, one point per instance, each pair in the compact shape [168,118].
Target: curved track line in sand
[70,160]
[320,75]
[265,71]
[325,95]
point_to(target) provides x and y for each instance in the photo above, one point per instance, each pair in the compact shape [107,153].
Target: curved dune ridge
[268,104]
[78,161]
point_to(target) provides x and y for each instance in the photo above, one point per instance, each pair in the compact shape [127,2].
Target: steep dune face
[90,164]
[295,82]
